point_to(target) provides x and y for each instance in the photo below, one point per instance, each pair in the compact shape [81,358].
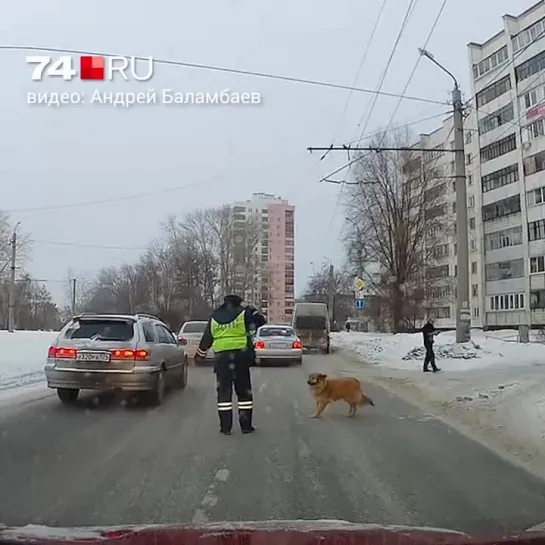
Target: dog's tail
[366,400]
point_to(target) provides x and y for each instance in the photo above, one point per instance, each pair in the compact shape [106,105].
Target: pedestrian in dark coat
[429,332]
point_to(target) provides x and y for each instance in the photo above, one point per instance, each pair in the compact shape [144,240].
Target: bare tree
[317,291]
[85,289]
[391,212]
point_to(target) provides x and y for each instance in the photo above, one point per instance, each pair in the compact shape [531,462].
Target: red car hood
[321,532]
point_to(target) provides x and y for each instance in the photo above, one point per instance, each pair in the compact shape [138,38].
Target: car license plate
[279,345]
[103,357]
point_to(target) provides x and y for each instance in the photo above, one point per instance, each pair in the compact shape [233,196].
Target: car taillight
[130,354]
[296,344]
[55,352]
[182,341]
[259,345]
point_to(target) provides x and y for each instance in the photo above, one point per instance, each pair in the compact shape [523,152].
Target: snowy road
[109,463]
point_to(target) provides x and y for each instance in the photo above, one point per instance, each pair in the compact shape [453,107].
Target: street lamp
[463,314]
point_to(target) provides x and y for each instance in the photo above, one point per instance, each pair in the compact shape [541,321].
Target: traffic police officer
[228,333]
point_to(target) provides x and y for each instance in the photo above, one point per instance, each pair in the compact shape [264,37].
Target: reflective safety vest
[231,336]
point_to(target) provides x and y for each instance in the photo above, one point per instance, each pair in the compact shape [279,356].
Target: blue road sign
[360,304]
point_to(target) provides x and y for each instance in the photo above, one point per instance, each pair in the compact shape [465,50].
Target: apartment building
[508,77]
[273,283]
[441,268]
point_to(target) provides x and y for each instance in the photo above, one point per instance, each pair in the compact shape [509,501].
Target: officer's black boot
[226,421]
[245,420]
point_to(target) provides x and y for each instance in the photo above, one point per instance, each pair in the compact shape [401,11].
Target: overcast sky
[76,154]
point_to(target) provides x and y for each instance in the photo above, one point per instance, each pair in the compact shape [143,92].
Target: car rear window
[102,330]
[194,327]
[276,332]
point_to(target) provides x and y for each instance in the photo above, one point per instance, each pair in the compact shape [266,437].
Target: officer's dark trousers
[232,368]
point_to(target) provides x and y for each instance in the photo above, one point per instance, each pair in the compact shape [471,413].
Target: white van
[311,323]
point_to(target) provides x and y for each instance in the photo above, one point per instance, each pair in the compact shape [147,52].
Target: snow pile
[462,351]
[405,350]
[22,358]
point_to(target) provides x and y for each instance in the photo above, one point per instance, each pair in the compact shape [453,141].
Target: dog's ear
[321,375]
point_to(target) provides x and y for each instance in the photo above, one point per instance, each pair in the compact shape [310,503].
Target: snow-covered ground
[22,359]
[494,385]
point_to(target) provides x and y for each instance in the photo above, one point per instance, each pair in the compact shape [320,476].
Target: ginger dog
[327,390]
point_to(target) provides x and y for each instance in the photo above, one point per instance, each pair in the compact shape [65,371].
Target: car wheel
[157,396]
[68,395]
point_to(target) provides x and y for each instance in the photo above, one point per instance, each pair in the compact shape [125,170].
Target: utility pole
[331,292]
[463,313]
[73,296]
[11,293]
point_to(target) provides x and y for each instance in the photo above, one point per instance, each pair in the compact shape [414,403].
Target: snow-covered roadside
[22,360]
[494,385]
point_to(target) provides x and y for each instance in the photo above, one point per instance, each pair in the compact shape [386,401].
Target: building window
[437,272]
[473,245]
[497,119]
[488,94]
[472,223]
[440,251]
[528,35]
[503,239]
[438,292]
[439,312]
[501,209]
[435,192]
[471,201]
[434,212]
[491,62]
[504,270]
[531,99]
[537,264]
[537,299]
[469,179]
[469,136]
[475,312]
[510,301]
[536,129]
[454,207]
[468,158]
[475,290]
[537,196]
[535,163]
[500,178]
[530,67]
[499,148]
[536,230]
[474,267]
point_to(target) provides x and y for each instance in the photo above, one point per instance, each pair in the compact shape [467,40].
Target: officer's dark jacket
[225,314]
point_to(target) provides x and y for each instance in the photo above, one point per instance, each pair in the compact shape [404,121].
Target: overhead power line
[378,89]
[213,179]
[210,67]
[362,62]
[97,246]
[419,58]
[387,129]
